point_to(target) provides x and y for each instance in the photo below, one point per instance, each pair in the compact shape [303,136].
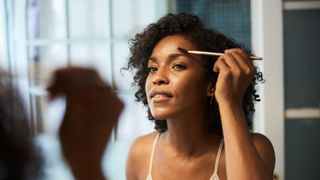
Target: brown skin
[187,150]
[178,75]
[248,156]
[91,112]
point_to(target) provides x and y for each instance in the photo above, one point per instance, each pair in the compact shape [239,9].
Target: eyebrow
[171,56]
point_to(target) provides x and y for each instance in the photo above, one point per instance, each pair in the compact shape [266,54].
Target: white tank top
[216,164]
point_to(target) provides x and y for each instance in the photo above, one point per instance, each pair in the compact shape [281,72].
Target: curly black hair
[190,27]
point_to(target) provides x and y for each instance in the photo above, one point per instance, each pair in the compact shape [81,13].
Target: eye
[179,67]
[152,69]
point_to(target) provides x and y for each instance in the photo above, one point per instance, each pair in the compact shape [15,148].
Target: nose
[160,79]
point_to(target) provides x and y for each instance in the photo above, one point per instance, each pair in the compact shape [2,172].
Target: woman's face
[176,84]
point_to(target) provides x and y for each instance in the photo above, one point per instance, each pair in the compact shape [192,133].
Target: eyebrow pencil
[211,53]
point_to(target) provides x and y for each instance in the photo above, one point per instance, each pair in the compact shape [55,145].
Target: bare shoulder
[139,155]
[260,139]
[142,144]
[265,150]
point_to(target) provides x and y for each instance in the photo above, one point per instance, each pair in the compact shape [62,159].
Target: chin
[160,114]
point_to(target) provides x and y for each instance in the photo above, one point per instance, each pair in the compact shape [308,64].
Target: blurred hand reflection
[91,112]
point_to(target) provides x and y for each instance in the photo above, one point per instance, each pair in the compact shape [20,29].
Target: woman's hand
[91,112]
[236,71]
[247,156]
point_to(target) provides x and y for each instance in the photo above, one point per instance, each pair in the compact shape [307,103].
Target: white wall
[267,41]
[2,34]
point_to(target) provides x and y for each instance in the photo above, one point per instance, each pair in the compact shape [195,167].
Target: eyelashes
[152,69]
[179,67]
[175,67]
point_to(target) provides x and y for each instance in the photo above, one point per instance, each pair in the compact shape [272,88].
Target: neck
[188,135]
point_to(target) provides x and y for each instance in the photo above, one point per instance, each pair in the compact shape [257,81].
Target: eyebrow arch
[152,58]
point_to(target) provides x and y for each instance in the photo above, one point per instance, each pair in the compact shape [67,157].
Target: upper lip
[160,92]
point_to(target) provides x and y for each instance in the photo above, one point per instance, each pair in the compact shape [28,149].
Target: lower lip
[160,99]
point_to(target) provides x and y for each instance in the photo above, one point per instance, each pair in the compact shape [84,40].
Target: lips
[160,96]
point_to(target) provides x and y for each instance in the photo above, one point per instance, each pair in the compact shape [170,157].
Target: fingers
[234,61]
[244,61]
[221,66]
[70,79]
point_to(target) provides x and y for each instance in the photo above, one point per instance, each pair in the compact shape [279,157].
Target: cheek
[192,88]
[147,86]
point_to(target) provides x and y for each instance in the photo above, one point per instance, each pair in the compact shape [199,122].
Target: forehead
[170,44]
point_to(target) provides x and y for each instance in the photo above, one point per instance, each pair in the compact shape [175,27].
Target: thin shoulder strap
[152,153]
[216,164]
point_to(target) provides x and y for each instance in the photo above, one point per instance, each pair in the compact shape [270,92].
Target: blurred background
[38,36]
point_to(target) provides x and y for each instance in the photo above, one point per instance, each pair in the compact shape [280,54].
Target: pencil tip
[183,50]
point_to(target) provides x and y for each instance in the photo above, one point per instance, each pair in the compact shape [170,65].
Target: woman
[202,106]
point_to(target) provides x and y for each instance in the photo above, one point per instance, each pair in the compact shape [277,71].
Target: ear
[211,86]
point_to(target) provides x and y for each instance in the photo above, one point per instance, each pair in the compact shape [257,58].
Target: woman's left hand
[236,71]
